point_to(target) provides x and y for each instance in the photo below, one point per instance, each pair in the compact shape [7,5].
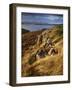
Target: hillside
[29,39]
[42,52]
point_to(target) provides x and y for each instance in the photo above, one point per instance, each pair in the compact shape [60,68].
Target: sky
[36,21]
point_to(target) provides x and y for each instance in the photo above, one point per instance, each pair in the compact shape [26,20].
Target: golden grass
[49,65]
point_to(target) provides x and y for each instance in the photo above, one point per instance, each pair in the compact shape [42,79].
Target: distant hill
[24,31]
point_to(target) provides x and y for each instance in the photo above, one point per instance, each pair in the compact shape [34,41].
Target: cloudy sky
[35,21]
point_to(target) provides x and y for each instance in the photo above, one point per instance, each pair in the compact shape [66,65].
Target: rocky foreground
[42,52]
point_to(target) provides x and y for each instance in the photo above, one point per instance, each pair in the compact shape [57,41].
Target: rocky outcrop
[42,38]
[47,45]
[48,49]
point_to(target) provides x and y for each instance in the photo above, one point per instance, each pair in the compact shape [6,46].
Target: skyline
[36,21]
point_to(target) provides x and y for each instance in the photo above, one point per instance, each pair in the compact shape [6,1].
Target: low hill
[25,31]
[41,57]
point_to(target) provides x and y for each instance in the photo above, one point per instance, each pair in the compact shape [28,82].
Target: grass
[49,65]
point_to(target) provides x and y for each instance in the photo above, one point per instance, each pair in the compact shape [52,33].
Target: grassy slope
[50,65]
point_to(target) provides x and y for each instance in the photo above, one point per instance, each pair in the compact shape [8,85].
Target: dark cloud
[40,19]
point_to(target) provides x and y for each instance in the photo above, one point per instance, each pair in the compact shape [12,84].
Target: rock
[42,38]
[45,37]
[37,57]
[41,53]
[49,42]
[53,51]
[39,40]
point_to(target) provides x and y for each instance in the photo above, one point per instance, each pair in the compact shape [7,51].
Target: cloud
[35,21]
[42,18]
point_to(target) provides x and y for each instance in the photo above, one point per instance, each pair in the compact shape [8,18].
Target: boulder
[39,39]
[53,51]
[41,53]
